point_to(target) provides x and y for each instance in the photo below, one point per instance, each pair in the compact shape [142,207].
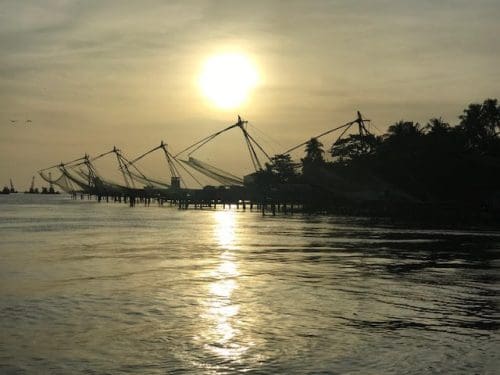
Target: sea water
[102,288]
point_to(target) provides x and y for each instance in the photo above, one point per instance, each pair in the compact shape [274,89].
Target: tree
[404,129]
[436,126]
[282,168]
[403,141]
[480,124]
[314,155]
[314,151]
[491,116]
[354,146]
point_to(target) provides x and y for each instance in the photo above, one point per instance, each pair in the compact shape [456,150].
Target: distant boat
[50,190]
[12,189]
[34,190]
[5,190]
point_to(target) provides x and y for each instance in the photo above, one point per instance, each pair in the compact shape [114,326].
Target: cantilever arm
[146,153]
[57,165]
[206,139]
[319,136]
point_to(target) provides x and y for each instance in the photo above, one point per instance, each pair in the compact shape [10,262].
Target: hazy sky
[93,74]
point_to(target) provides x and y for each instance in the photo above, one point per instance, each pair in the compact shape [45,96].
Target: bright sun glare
[228,79]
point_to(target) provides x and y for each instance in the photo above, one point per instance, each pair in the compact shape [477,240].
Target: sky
[94,74]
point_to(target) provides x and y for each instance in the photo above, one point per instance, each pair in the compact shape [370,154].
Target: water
[89,288]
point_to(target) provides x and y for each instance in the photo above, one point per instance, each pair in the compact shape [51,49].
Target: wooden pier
[200,199]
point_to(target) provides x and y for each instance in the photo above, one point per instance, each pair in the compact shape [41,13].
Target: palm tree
[314,151]
[437,126]
[314,155]
[404,129]
[481,123]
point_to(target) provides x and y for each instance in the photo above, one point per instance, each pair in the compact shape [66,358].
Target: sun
[227,79]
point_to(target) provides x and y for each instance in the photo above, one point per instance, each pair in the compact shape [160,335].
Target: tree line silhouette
[434,165]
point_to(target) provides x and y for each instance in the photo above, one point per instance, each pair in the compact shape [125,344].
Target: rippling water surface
[103,288]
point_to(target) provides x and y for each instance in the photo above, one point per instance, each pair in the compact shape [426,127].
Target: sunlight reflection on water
[225,222]
[220,310]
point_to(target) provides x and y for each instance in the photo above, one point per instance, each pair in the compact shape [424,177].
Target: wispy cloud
[87,68]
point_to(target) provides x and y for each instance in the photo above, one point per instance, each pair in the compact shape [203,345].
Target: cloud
[95,69]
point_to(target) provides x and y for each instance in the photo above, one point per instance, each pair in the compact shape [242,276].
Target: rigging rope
[213,172]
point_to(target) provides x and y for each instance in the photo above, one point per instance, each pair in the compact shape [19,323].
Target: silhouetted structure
[436,169]
[12,189]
